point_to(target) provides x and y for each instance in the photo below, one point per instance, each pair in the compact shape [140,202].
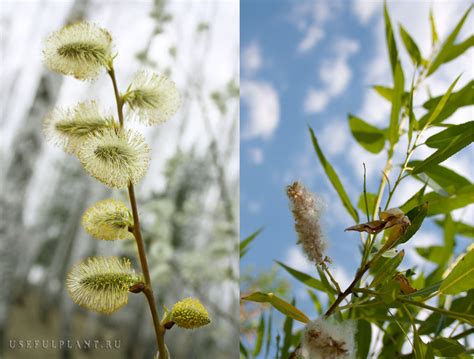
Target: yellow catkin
[108,219]
[80,50]
[115,157]
[101,284]
[153,98]
[189,313]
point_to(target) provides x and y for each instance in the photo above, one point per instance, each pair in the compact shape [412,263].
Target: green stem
[148,290]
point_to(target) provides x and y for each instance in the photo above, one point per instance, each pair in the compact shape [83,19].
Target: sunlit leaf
[460,228]
[411,46]
[391,44]
[461,277]
[363,337]
[279,304]
[368,136]
[446,178]
[445,137]
[399,83]
[245,243]
[446,347]
[434,33]
[334,178]
[461,98]
[303,277]
[444,53]
[445,204]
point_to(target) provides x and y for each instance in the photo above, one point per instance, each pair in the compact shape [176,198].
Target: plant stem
[469,318]
[148,290]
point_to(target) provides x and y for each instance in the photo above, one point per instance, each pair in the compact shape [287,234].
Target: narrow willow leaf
[329,288]
[316,302]
[412,123]
[385,268]
[334,178]
[434,113]
[279,304]
[387,93]
[446,347]
[446,178]
[287,339]
[368,136]
[303,277]
[457,50]
[414,200]
[445,137]
[425,292]
[260,334]
[243,350]
[456,144]
[371,199]
[444,204]
[446,48]
[411,46]
[399,83]
[246,242]
[391,44]
[434,33]
[461,277]
[363,337]
[269,333]
[461,98]
[419,347]
[416,216]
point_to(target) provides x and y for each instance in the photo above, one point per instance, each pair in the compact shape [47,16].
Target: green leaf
[414,200]
[434,34]
[303,277]
[457,50]
[287,329]
[316,301]
[371,199]
[243,350]
[425,291]
[444,138]
[269,333]
[279,304]
[363,337]
[412,123]
[432,116]
[420,348]
[455,145]
[461,98]
[329,288]
[334,179]
[444,204]
[399,84]
[368,136]
[445,347]
[391,44]
[387,93]
[411,46]
[444,53]
[260,334]
[461,277]
[441,254]
[444,177]
[385,268]
[416,216]
[245,243]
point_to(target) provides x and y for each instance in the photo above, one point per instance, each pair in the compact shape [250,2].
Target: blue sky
[311,63]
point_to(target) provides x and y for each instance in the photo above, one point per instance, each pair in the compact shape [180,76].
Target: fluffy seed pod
[152,98]
[108,220]
[189,313]
[101,283]
[79,50]
[306,212]
[323,339]
[67,128]
[115,157]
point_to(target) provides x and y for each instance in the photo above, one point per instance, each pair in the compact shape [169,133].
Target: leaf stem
[148,290]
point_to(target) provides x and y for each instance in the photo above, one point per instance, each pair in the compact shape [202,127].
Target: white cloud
[315,101]
[334,137]
[256,155]
[254,207]
[263,105]
[296,259]
[313,35]
[252,57]
[335,74]
[366,9]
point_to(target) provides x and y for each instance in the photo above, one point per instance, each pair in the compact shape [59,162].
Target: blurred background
[188,201]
